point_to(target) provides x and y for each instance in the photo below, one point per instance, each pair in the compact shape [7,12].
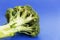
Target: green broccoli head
[22,19]
[25,17]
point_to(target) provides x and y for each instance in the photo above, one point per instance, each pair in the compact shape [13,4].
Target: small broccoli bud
[22,19]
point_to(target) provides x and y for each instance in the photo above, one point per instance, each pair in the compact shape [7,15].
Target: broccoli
[22,19]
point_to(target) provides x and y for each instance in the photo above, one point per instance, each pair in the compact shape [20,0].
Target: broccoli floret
[22,19]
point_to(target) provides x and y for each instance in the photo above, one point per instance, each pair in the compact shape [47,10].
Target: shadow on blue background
[49,12]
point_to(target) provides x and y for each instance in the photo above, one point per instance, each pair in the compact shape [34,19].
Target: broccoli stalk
[6,30]
[20,19]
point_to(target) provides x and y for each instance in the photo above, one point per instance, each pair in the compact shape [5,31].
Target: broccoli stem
[6,30]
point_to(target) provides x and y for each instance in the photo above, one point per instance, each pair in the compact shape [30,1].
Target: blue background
[48,11]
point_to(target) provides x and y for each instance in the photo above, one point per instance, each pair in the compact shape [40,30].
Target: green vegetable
[22,19]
